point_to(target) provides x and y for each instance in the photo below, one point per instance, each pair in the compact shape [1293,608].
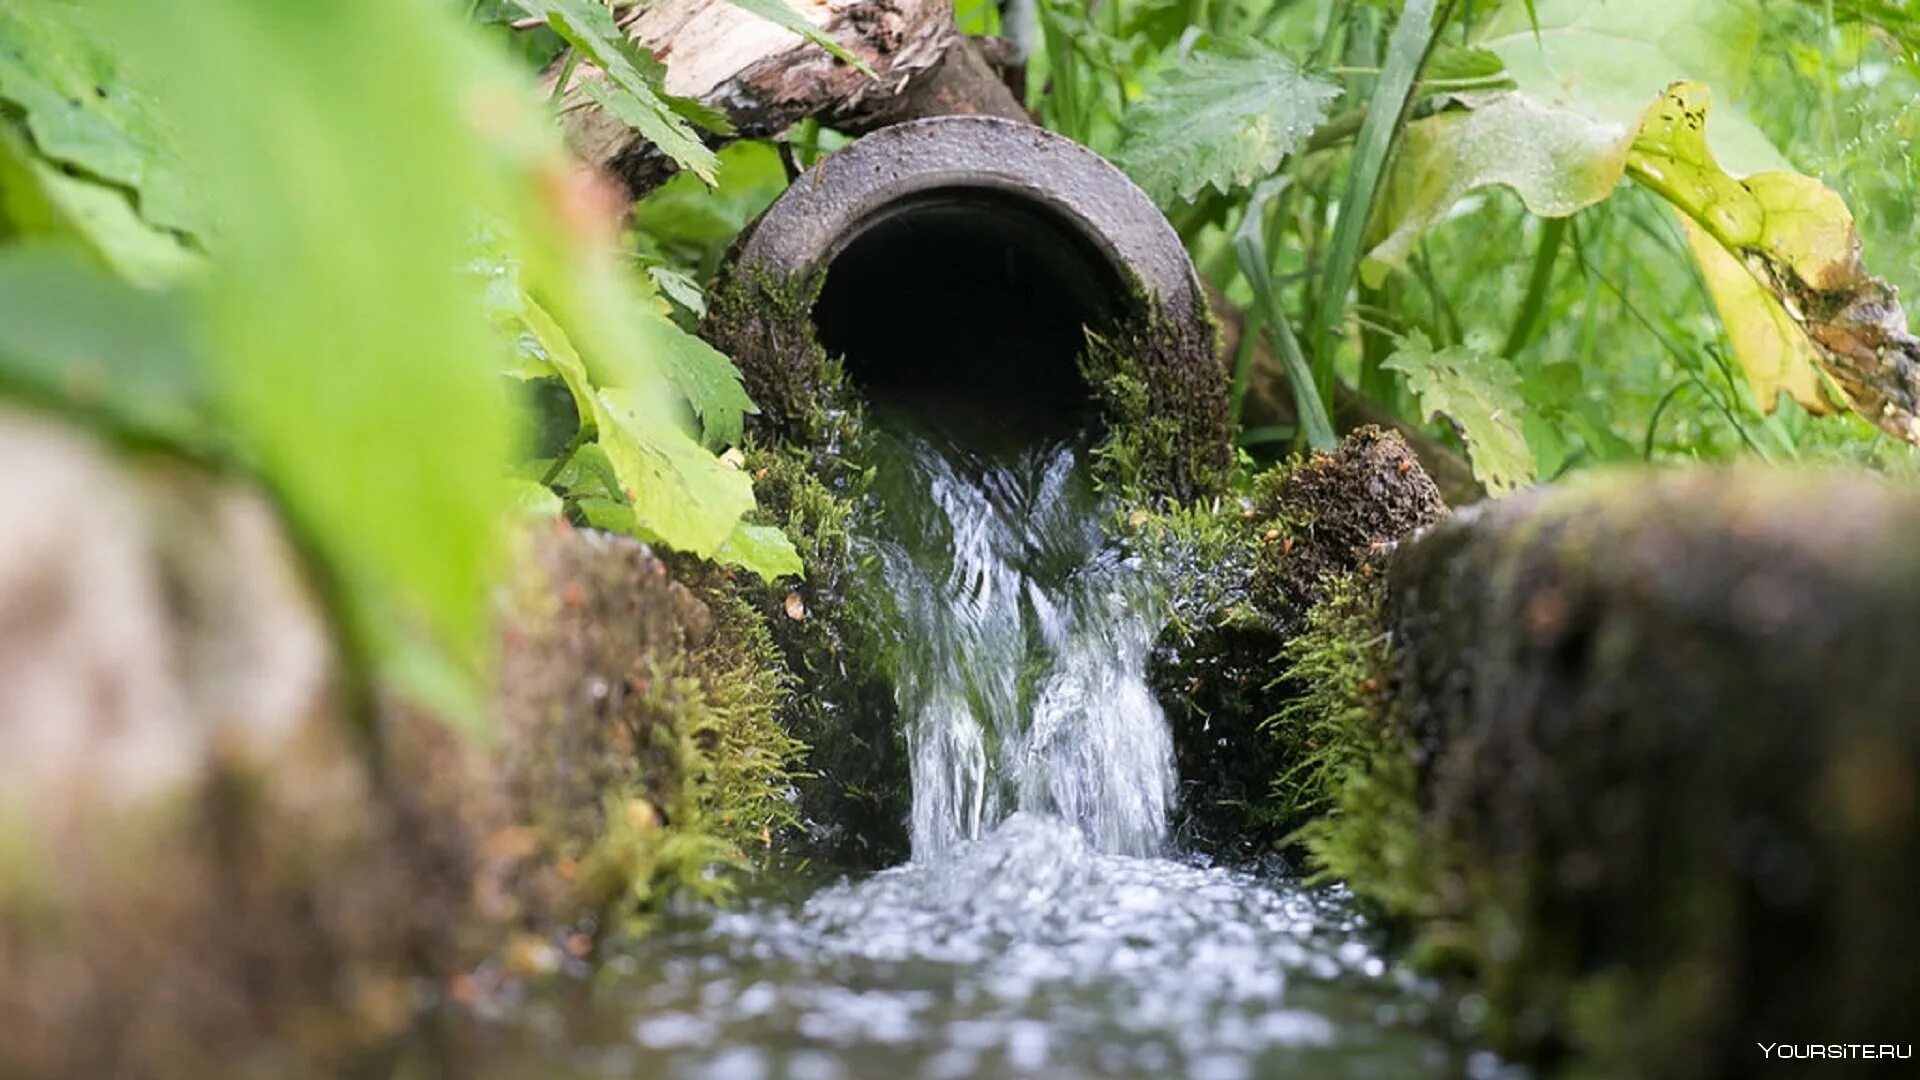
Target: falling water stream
[1046,925]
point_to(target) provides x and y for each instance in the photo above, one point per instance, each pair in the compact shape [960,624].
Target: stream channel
[1047,923]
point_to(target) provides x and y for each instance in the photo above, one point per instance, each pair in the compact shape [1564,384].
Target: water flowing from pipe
[1021,637]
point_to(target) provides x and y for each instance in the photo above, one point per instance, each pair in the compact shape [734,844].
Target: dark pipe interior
[972,305]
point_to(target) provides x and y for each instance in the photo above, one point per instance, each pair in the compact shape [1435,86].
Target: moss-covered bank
[206,870]
[1245,572]
[1643,759]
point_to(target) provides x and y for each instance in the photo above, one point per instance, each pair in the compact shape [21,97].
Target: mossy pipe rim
[1148,362]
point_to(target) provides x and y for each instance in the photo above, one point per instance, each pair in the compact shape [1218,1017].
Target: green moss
[1351,788]
[745,756]
[1162,397]
[764,321]
[1246,571]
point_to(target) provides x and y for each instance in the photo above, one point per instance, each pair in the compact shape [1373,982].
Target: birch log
[766,78]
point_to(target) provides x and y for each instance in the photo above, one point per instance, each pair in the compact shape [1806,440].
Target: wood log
[766,78]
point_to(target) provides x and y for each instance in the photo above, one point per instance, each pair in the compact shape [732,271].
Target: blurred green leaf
[73,337]
[1480,393]
[533,499]
[346,349]
[1226,117]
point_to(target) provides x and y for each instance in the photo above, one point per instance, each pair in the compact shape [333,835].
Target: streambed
[1025,953]
[1047,924]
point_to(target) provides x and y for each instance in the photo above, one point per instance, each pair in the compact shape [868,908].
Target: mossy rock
[1247,571]
[1648,755]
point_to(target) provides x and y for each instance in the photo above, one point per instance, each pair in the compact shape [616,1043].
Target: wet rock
[1246,571]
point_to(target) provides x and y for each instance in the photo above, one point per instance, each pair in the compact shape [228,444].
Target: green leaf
[77,339]
[680,492]
[351,357]
[1452,65]
[704,375]
[778,13]
[1557,161]
[1480,393]
[39,199]
[762,549]
[633,90]
[77,105]
[533,499]
[1225,117]
[1606,60]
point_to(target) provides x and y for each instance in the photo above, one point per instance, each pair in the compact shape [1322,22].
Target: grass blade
[1250,249]
[1407,50]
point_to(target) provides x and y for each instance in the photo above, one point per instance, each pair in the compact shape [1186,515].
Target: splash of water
[1022,637]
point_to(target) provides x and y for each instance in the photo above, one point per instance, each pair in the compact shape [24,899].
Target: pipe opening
[970,305]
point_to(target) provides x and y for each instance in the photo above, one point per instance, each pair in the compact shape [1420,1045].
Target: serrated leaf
[761,549]
[633,88]
[1226,117]
[778,13]
[703,374]
[1781,259]
[1480,394]
[680,492]
[645,113]
[75,102]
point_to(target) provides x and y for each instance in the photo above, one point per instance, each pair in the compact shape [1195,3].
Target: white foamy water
[1023,643]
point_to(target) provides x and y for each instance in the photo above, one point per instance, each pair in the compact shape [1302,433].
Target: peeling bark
[765,78]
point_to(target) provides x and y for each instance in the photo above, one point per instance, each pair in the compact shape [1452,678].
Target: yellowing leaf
[1772,350]
[1781,259]
[1481,395]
